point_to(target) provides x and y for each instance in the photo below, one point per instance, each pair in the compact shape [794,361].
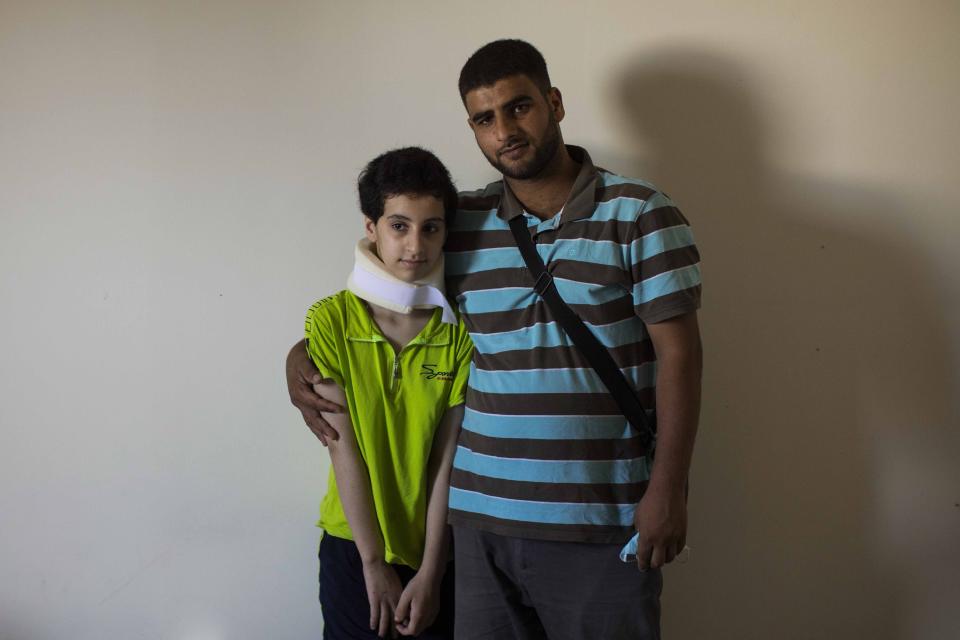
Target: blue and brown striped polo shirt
[544,451]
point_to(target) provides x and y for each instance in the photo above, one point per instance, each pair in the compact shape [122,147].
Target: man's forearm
[661,515]
[300,370]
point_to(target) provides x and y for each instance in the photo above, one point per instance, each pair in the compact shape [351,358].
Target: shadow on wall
[826,372]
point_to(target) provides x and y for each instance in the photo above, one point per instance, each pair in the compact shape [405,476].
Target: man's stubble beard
[541,158]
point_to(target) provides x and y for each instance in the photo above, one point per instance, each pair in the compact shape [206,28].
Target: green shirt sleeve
[463,347]
[320,332]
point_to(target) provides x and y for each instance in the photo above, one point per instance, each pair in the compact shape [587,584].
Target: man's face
[516,126]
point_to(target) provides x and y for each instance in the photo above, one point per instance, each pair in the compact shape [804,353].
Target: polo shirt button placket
[397,376]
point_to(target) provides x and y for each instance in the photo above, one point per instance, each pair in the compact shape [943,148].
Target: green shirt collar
[362,328]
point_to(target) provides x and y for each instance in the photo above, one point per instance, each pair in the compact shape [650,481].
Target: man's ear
[555,100]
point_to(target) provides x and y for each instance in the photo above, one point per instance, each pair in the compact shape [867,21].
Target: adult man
[549,480]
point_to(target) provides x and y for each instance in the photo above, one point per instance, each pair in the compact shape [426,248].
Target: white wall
[176,187]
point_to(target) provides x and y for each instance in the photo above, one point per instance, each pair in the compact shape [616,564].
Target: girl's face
[409,235]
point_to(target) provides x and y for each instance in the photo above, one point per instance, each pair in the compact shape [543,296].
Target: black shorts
[343,595]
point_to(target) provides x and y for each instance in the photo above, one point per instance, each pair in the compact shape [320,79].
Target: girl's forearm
[353,480]
[437,540]
[353,485]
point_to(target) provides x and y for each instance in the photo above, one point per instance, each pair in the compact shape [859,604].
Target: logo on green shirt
[429,371]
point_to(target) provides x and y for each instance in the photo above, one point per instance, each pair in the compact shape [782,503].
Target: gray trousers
[524,589]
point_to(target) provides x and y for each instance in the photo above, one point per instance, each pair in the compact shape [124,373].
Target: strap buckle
[544,280]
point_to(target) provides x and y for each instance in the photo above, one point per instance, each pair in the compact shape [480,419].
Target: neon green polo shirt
[395,401]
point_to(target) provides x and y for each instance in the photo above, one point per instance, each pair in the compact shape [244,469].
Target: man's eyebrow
[479,115]
[509,104]
[513,102]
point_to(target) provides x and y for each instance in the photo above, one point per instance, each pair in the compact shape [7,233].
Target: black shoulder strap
[591,348]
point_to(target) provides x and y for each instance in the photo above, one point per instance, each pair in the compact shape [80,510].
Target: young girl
[393,353]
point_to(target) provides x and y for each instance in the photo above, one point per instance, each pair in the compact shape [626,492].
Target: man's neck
[546,194]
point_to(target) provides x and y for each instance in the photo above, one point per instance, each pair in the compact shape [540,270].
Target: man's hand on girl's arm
[302,376]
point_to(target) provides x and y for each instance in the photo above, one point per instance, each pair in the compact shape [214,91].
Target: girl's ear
[370,229]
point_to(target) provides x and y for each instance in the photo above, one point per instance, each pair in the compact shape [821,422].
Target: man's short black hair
[406,171]
[501,59]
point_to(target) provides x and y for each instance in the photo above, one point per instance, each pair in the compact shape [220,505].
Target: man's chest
[589,261]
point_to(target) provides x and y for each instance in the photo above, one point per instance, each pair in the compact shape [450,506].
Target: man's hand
[661,521]
[301,376]
[419,604]
[383,593]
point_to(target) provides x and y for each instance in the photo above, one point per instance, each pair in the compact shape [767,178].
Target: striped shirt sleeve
[464,354]
[664,262]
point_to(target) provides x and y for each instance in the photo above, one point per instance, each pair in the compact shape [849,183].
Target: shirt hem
[520,530]
[666,313]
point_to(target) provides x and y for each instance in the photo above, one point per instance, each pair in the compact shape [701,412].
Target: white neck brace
[371,281]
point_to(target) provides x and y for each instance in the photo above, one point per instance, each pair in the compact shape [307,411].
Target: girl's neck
[398,328]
